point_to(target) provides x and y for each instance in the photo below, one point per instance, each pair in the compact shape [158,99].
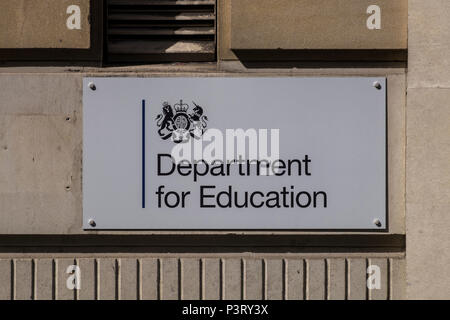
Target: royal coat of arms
[179,125]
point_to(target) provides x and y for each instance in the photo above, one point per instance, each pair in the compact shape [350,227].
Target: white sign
[234,153]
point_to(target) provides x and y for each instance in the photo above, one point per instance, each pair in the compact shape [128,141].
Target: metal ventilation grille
[161,30]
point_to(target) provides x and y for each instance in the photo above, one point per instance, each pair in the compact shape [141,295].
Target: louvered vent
[161,30]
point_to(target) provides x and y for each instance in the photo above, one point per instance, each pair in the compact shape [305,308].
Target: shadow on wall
[192,243]
[280,58]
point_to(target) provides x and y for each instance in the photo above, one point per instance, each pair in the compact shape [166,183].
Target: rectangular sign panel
[234,153]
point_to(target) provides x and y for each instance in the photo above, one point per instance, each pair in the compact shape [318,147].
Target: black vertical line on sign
[143,154]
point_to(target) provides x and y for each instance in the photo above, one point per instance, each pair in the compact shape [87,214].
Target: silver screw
[92,223]
[92,86]
[377,222]
[377,85]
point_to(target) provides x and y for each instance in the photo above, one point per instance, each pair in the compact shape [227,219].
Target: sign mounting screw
[92,86]
[377,222]
[92,223]
[376,85]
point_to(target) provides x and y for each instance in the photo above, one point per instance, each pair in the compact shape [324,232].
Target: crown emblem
[180,107]
[180,125]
